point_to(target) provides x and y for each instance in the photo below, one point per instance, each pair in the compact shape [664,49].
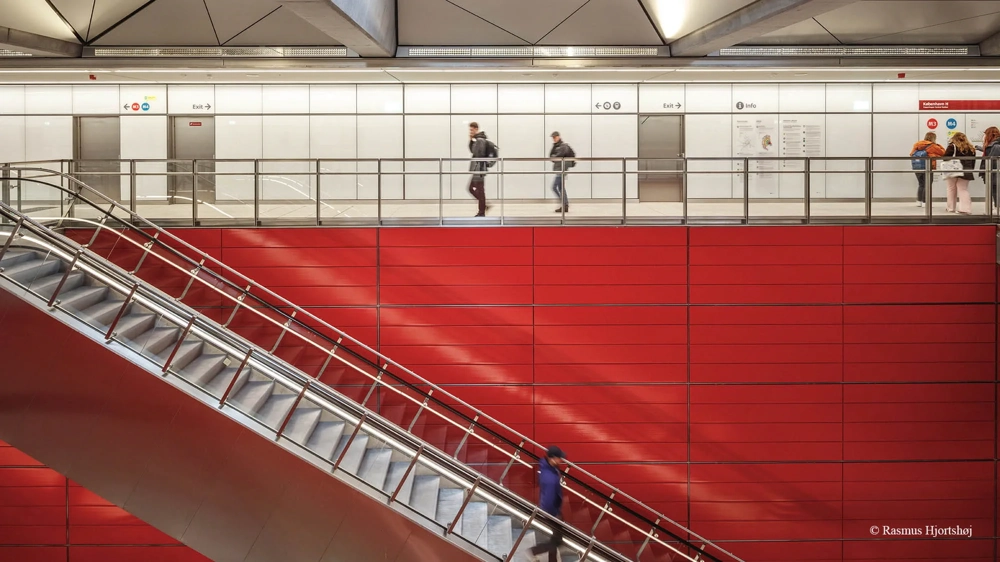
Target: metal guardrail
[309,201]
[623,514]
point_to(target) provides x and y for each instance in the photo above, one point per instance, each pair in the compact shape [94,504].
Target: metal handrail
[157,239]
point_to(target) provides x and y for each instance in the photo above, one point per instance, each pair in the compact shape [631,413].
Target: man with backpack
[560,151]
[922,151]
[481,148]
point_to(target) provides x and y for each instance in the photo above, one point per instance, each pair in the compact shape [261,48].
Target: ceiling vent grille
[851,51]
[530,52]
[218,52]
[5,53]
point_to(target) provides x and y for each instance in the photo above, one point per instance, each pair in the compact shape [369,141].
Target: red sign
[932,124]
[959,105]
[194,123]
[135,107]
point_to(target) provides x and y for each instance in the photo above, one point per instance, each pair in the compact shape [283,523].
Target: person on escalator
[550,501]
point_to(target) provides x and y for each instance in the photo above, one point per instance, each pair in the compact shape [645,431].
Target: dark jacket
[968,160]
[479,147]
[559,151]
[549,488]
[991,152]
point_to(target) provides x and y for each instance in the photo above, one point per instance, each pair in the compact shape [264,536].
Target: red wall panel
[781,389]
[44,518]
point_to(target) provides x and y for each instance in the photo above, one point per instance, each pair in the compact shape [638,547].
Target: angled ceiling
[495,22]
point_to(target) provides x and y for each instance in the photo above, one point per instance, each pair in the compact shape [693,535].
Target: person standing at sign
[958,184]
[923,154]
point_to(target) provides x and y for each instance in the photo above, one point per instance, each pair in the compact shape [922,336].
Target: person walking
[550,501]
[962,151]
[480,147]
[991,151]
[560,151]
[922,150]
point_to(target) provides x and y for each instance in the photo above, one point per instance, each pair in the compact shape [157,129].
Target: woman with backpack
[961,150]
[922,151]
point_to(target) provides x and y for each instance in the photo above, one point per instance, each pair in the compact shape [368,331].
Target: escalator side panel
[192,472]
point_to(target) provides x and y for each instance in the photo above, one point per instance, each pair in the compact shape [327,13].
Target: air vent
[850,51]
[530,52]
[218,52]
[5,53]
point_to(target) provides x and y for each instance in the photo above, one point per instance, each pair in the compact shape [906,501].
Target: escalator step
[156,340]
[355,453]
[375,466]
[204,371]
[500,540]
[275,409]
[449,502]
[396,472]
[252,396]
[83,297]
[474,520]
[424,498]
[302,424]
[325,438]
[45,286]
[30,270]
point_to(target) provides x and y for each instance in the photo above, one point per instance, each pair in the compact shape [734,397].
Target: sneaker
[920,203]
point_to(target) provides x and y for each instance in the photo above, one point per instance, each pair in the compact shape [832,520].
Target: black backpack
[570,153]
[492,151]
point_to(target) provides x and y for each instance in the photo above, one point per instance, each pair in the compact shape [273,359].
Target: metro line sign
[959,105]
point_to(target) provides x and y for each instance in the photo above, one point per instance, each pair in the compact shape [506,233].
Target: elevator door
[192,147]
[661,138]
[97,152]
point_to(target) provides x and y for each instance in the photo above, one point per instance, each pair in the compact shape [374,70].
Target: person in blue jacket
[550,501]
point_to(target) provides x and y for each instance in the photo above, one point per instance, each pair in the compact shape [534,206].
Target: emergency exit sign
[194,123]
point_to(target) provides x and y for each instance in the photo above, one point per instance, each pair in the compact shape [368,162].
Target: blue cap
[555,452]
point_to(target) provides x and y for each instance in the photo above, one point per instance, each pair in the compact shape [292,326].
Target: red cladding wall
[783,389]
[45,518]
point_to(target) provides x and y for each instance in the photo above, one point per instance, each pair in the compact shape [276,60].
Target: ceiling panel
[106,13]
[77,13]
[808,32]
[606,22]
[34,16]
[510,15]
[282,27]
[439,22]
[165,22]
[882,22]
[677,18]
[230,17]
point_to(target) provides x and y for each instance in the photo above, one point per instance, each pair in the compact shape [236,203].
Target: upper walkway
[602,191]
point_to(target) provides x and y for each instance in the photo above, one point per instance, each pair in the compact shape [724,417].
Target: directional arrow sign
[208,106]
[126,106]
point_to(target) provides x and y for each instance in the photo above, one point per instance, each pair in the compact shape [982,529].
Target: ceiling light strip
[530,52]
[851,51]
[218,52]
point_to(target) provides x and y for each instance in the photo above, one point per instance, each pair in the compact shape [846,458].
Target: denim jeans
[560,191]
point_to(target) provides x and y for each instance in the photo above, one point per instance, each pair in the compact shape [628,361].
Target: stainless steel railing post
[441,191]
[319,197]
[808,190]
[869,190]
[624,191]
[256,192]
[746,190]
[132,189]
[194,193]
[684,189]
[929,187]
[378,194]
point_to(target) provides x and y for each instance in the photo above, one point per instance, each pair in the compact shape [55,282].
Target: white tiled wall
[301,121]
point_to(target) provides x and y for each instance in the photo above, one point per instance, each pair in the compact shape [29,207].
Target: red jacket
[934,150]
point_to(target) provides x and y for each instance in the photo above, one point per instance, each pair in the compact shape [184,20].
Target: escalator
[321,449]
